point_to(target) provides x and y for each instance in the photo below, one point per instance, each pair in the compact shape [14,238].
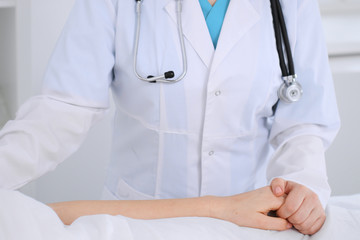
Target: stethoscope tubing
[182,43]
[281,33]
[160,78]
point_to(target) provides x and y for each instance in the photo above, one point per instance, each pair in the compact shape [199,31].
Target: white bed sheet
[24,218]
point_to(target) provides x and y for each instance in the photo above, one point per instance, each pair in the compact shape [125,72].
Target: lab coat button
[211,153]
[217,93]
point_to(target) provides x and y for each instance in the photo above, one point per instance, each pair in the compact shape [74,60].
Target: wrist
[216,206]
[205,206]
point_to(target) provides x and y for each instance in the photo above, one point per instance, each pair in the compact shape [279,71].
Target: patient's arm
[248,209]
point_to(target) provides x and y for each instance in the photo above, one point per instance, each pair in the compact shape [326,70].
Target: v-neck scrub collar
[214,17]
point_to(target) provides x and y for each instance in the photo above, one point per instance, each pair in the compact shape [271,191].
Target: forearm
[247,209]
[139,209]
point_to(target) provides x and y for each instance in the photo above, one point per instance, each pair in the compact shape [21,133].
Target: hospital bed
[22,217]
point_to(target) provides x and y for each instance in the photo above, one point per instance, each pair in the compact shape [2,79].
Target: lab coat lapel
[194,28]
[239,19]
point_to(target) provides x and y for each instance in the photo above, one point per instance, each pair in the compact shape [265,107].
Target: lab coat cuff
[302,160]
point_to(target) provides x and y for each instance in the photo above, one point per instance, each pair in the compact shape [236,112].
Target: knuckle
[304,226]
[281,213]
[290,208]
[299,228]
[302,188]
[304,229]
[297,219]
[313,229]
[279,201]
[313,196]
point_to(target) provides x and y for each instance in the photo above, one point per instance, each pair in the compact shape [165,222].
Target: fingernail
[278,190]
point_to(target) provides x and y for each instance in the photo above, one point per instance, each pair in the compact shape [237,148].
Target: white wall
[343,158]
[82,176]
[339,6]
[341,19]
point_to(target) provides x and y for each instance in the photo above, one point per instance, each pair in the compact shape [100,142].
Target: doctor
[215,132]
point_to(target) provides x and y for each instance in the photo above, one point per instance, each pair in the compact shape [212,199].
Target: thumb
[272,223]
[278,186]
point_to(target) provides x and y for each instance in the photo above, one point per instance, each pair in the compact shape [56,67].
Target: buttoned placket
[208,146]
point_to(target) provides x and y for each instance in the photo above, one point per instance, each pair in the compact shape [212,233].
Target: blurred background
[30,28]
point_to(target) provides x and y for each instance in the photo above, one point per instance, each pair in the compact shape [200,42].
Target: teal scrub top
[214,17]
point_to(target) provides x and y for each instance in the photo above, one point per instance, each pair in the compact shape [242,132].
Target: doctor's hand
[302,207]
[250,209]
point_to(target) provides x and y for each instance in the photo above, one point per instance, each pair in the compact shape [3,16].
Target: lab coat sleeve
[44,133]
[81,66]
[50,127]
[302,160]
[302,131]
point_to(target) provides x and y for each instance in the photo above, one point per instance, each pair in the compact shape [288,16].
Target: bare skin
[212,2]
[248,209]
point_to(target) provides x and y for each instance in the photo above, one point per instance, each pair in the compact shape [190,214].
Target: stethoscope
[290,90]
[164,78]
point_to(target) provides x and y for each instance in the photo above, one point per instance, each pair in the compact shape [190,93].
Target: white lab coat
[213,133]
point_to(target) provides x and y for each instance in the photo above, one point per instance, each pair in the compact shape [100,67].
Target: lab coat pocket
[125,192]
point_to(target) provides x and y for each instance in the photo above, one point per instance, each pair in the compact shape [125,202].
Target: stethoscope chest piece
[290,90]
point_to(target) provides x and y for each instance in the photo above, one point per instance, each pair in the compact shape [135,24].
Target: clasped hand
[302,207]
[295,205]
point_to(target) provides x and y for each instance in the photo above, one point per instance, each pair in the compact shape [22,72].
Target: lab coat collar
[240,17]
[194,28]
